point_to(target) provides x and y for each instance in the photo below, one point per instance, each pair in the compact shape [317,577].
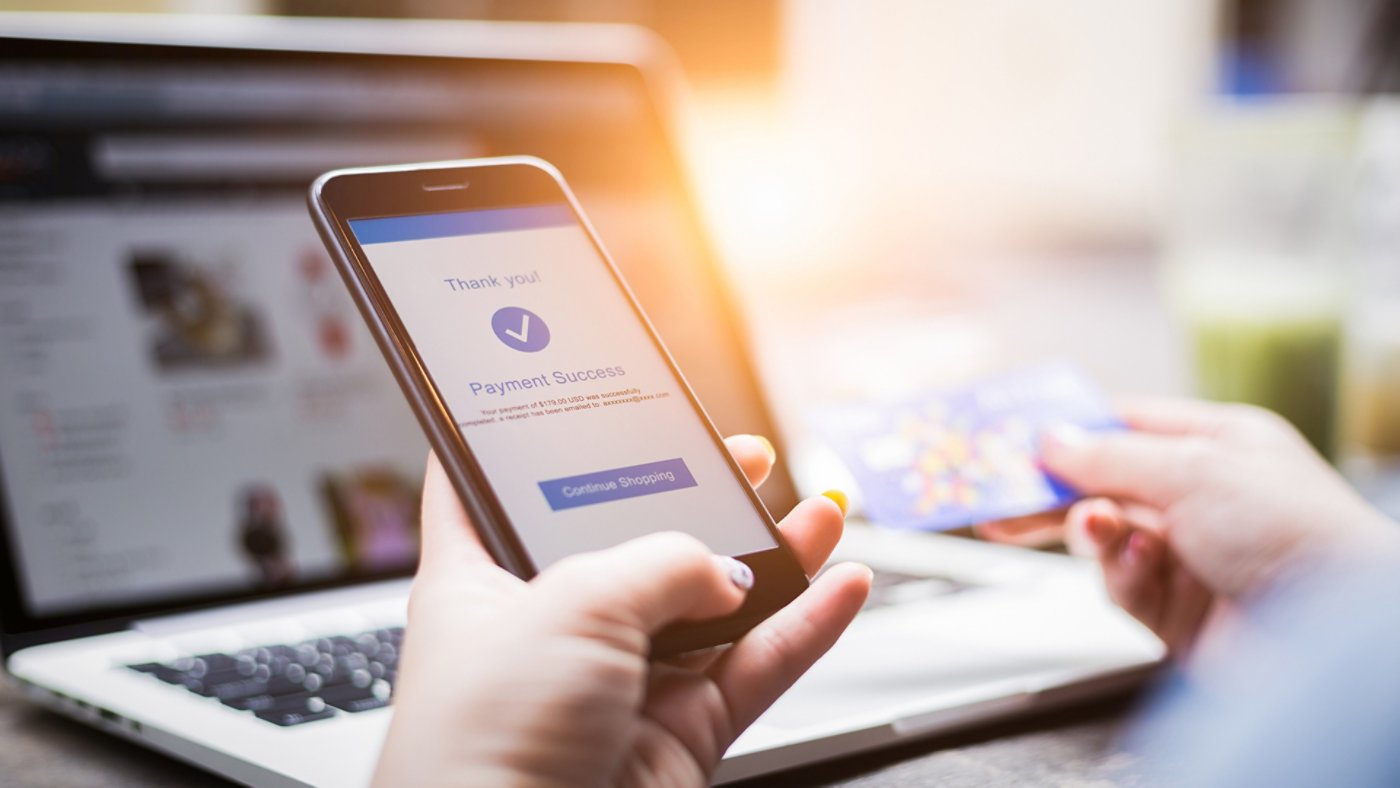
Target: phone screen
[581,426]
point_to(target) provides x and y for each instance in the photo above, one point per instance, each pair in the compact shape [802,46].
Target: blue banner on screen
[615,484]
[418,227]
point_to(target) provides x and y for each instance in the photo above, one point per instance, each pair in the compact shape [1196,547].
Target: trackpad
[955,651]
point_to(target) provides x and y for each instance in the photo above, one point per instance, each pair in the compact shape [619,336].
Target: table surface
[1074,746]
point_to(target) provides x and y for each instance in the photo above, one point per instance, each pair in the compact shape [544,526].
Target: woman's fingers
[1035,530]
[813,528]
[1184,613]
[766,661]
[755,454]
[1133,561]
[1168,416]
[1133,557]
[1140,572]
[1093,527]
[1135,575]
[448,538]
[634,589]
[1155,470]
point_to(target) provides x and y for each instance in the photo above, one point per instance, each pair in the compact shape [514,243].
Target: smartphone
[560,417]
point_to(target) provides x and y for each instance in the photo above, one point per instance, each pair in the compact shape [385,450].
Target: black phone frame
[342,196]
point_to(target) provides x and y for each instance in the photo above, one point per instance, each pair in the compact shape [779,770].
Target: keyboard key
[212,663]
[245,665]
[289,718]
[247,695]
[240,688]
[291,684]
[170,674]
[355,699]
[259,702]
[388,653]
[288,683]
[206,685]
[293,701]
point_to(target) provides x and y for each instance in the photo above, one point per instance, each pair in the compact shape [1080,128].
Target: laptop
[208,479]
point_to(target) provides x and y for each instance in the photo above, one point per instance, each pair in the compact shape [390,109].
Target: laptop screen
[190,408]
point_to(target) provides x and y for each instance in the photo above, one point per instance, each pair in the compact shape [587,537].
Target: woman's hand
[548,682]
[1200,505]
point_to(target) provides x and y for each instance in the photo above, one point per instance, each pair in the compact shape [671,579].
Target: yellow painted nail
[839,498]
[768,446]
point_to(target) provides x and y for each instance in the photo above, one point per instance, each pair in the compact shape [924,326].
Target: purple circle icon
[520,329]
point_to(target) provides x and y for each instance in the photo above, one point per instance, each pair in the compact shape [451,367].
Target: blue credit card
[967,455]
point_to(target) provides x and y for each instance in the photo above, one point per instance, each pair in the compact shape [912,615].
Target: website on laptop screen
[192,403]
[189,404]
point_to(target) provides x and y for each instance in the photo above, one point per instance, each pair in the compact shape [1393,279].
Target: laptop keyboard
[294,684]
[317,679]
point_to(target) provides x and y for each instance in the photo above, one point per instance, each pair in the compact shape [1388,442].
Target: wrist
[1359,537]
[471,755]
[1377,541]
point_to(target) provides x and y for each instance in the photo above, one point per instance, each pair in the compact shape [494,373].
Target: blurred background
[1176,195]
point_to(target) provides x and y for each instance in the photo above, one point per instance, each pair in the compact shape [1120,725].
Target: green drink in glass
[1255,256]
[1266,334]
[1288,365]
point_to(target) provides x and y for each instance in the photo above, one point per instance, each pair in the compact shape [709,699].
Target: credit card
[966,455]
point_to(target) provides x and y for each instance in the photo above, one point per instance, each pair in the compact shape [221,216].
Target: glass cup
[1255,264]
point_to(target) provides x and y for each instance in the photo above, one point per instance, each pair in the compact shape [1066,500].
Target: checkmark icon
[524,335]
[520,329]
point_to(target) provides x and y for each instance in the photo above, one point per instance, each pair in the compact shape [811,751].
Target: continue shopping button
[615,484]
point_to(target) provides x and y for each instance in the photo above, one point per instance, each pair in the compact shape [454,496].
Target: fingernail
[840,499]
[739,572]
[1100,530]
[1067,435]
[768,447]
[1133,551]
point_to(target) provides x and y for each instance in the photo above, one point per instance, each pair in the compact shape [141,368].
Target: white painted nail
[739,572]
